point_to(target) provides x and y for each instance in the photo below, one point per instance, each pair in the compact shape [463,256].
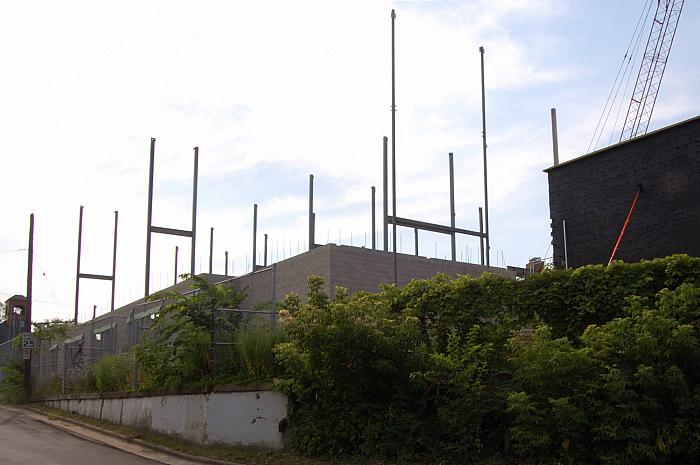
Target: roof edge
[629,141]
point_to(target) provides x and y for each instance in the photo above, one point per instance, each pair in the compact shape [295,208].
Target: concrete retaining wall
[242,418]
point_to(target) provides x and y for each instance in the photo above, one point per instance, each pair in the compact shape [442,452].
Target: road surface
[28,441]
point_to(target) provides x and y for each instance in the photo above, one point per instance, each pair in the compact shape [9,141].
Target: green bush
[176,355]
[348,369]
[50,386]
[594,365]
[114,373]
[254,344]
[12,381]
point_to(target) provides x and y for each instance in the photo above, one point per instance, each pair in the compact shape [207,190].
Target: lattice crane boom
[651,71]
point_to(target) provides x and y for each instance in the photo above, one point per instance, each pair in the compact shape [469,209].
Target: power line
[637,34]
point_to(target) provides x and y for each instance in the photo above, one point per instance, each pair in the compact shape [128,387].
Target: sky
[271,92]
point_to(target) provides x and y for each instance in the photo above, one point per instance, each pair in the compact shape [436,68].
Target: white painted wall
[244,418]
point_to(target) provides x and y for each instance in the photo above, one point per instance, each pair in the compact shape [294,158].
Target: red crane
[651,71]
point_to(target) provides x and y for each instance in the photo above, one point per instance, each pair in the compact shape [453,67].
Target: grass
[242,455]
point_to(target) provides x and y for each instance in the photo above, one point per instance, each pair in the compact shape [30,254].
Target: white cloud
[263,89]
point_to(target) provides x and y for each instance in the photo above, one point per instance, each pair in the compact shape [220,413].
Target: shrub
[594,365]
[114,373]
[254,345]
[12,381]
[176,354]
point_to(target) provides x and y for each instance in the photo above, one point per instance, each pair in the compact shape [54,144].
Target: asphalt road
[26,441]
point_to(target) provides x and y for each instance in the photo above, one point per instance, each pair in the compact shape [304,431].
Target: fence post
[65,371]
[212,352]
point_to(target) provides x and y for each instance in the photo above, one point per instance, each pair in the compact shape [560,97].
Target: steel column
[150,215]
[555,138]
[255,234]
[77,273]
[312,239]
[194,209]
[481,230]
[211,250]
[415,234]
[114,259]
[453,237]
[386,193]
[486,190]
[374,226]
[176,251]
[226,263]
[265,251]
[393,139]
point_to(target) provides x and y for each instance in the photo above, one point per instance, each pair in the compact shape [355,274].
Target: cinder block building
[356,268]
[591,196]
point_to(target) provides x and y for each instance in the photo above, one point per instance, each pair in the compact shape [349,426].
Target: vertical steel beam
[27,382]
[194,208]
[274,287]
[176,251]
[555,138]
[77,272]
[481,230]
[386,194]
[453,236]
[393,139]
[255,234]
[311,212]
[150,216]
[486,190]
[374,224]
[415,234]
[114,258]
[265,251]
[211,250]
[226,263]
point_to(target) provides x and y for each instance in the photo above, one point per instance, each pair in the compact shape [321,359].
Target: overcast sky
[274,91]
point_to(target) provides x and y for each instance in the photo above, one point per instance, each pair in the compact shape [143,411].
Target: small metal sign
[28,341]
[27,354]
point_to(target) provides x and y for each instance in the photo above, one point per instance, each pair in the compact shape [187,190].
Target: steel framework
[79,275]
[651,71]
[169,231]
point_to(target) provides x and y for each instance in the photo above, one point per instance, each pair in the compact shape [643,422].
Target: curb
[140,442]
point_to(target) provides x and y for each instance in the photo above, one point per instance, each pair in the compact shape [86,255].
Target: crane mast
[651,71]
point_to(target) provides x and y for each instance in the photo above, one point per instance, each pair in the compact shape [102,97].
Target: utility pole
[27,385]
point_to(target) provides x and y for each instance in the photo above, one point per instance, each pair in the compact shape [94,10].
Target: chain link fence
[9,353]
[226,323]
[63,366]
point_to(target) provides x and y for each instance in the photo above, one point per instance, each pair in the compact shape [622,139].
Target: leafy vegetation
[11,381]
[52,330]
[598,365]
[176,354]
[114,373]
[594,365]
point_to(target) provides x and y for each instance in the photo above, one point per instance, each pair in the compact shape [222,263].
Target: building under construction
[638,199]
[355,268]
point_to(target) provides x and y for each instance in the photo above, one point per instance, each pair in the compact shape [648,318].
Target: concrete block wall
[292,273]
[242,418]
[594,194]
[356,268]
[360,269]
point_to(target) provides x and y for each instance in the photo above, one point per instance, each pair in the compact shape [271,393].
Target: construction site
[636,199]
